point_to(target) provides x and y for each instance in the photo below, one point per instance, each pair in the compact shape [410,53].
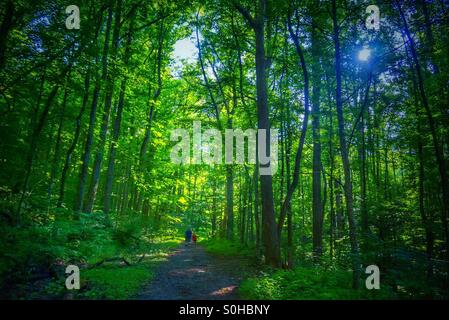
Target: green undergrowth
[117,280]
[123,282]
[35,254]
[307,283]
[227,248]
[304,282]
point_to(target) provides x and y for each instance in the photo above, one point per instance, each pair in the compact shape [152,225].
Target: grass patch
[36,255]
[116,282]
[124,282]
[307,283]
[227,248]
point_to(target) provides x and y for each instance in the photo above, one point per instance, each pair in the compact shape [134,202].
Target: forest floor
[191,273]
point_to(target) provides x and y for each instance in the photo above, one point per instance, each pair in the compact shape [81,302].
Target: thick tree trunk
[270,234]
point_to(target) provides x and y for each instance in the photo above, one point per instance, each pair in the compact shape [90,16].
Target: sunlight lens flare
[364,54]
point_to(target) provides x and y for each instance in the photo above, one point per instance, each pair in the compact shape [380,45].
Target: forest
[352,98]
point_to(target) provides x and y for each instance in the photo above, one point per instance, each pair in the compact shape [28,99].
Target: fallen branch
[110,260]
[141,258]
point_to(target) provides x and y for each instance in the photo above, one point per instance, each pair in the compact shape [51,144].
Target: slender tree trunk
[229,203]
[92,118]
[296,170]
[57,152]
[290,248]
[256,205]
[72,147]
[345,152]
[331,188]
[214,209]
[5,28]
[242,211]
[427,223]
[106,113]
[317,205]
[153,96]
[117,124]
[433,130]
[34,142]
[128,185]
[426,218]
[362,157]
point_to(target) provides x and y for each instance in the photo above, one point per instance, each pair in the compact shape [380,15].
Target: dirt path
[192,274]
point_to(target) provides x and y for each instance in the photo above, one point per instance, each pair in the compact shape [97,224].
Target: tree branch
[245,13]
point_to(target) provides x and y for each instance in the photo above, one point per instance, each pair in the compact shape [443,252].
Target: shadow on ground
[193,274]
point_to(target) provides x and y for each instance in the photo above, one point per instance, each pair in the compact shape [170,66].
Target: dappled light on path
[192,274]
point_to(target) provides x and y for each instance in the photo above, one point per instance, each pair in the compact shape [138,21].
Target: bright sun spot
[184,51]
[364,54]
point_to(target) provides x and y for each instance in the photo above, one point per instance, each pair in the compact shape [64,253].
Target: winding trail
[193,274]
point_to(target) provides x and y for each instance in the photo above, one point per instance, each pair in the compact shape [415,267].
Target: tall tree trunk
[229,203]
[298,156]
[345,152]
[240,209]
[5,28]
[317,205]
[72,147]
[270,235]
[331,188]
[106,113]
[214,208]
[117,124]
[92,117]
[57,152]
[360,125]
[34,142]
[427,222]
[256,205]
[153,96]
[290,248]
[439,156]
[427,219]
